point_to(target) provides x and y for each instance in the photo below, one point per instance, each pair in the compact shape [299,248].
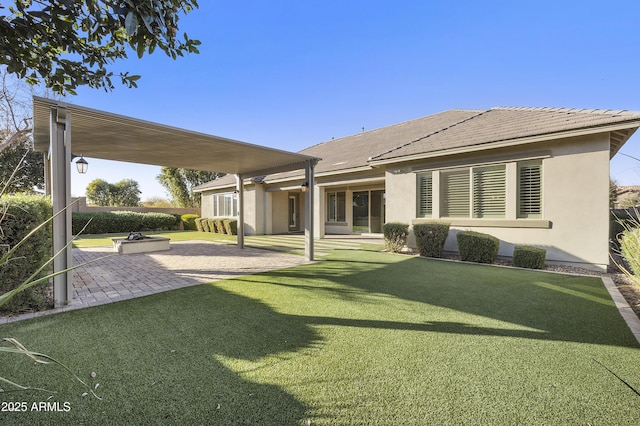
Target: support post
[60,199]
[308,210]
[240,189]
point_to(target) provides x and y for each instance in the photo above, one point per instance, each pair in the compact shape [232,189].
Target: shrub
[477,247]
[430,238]
[204,223]
[118,222]
[24,213]
[231,226]
[198,223]
[529,257]
[630,248]
[212,225]
[395,236]
[220,225]
[189,221]
[619,221]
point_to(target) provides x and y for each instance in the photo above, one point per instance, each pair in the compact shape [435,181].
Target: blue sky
[290,74]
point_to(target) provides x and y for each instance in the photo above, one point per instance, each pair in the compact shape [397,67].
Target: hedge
[231,226]
[430,238]
[477,247]
[219,222]
[189,221]
[529,257]
[118,222]
[198,222]
[23,214]
[395,236]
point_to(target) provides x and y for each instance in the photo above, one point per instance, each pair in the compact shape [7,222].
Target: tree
[66,44]
[124,193]
[21,169]
[613,192]
[180,183]
[27,165]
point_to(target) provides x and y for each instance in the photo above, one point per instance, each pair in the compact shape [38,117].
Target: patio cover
[64,130]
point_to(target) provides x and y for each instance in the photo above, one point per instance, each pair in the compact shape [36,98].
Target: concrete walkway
[115,277]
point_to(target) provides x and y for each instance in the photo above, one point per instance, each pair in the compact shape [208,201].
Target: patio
[113,278]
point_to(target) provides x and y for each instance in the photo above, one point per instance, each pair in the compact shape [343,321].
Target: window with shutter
[425,194]
[530,189]
[454,193]
[489,191]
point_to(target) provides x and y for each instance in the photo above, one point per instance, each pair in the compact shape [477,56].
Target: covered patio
[64,131]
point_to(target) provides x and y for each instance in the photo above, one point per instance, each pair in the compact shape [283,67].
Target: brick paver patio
[114,277]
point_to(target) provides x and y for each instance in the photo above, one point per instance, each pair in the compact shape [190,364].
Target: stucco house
[536,176]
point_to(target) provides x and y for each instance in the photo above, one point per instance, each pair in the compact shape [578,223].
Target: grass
[362,338]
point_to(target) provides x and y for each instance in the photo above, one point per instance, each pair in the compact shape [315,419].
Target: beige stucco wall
[574,227]
[279,209]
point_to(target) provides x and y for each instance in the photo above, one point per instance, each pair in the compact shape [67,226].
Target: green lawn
[362,338]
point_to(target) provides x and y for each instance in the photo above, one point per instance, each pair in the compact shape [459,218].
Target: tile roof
[453,129]
[503,124]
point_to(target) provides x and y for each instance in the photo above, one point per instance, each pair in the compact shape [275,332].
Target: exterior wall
[279,209]
[253,209]
[574,227]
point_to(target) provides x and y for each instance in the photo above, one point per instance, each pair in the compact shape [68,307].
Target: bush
[189,221]
[219,221]
[212,225]
[198,222]
[118,222]
[204,224]
[630,248]
[619,221]
[24,213]
[231,226]
[477,247]
[430,238]
[529,257]
[395,236]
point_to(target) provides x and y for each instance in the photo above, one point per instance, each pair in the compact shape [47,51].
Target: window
[454,193]
[336,206]
[489,191]
[225,205]
[530,189]
[481,192]
[425,194]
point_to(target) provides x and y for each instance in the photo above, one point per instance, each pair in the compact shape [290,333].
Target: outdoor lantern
[304,186]
[82,165]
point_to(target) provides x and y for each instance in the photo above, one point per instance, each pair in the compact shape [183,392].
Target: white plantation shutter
[530,190]
[425,194]
[455,187]
[489,191]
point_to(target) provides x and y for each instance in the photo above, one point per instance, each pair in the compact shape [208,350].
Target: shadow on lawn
[159,358]
[555,306]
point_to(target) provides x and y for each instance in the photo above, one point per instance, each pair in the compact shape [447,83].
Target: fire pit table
[138,243]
